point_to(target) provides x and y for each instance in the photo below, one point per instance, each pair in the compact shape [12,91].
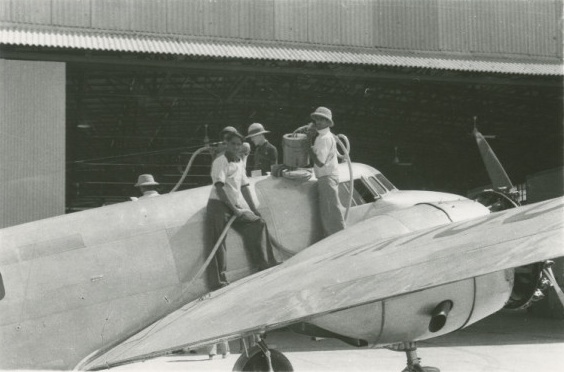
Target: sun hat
[323,112]
[230,134]
[228,129]
[146,180]
[255,129]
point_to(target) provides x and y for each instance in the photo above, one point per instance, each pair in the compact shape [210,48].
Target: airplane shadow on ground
[502,328]
[505,328]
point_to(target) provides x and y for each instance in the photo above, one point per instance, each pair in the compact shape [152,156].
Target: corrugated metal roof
[176,45]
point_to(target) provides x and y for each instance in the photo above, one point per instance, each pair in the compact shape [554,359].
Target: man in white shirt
[147,186]
[220,149]
[230,195]
[325,167]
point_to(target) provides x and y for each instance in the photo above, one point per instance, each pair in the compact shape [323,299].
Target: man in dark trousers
[230,195]
[266,155]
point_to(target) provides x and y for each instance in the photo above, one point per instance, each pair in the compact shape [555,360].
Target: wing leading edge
[327,282]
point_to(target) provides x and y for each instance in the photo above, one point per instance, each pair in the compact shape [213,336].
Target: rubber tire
[418,368]
[256,361]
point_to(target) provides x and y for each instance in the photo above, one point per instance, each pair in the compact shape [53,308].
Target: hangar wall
[32,141]
[513,28]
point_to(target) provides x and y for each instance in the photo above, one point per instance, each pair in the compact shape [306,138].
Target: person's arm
[311,149]
[256,161]
[304,129]
[246,191]
[314,157]
[224,198]
[273,155]
[218,175]
[320,151]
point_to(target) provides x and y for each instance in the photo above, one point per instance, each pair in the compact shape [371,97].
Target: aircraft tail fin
[497,174]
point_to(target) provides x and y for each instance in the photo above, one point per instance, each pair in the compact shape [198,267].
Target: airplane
[124,283]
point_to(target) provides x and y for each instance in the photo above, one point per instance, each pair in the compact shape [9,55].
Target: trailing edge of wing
[334,279]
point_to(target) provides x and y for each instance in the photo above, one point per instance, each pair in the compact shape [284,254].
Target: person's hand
[245,149]
[248,215]
[311,133]
[302,129]
[311,128]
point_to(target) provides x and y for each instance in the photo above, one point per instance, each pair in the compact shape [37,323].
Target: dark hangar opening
[148,116]
[125,120]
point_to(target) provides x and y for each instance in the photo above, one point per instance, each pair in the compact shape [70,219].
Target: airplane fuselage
[81,282]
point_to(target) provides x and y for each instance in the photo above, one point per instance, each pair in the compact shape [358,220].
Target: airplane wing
[343,271]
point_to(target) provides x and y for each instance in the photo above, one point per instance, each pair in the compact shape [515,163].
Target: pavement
[506,341]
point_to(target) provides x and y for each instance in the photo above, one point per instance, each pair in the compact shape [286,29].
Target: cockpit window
[365,193]
[376,185]
[384,181]
[361,193]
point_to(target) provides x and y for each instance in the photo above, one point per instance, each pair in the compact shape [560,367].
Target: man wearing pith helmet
[266,155]
[325,166]
[147,186]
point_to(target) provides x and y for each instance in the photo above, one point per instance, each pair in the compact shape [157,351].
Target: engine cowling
[529,286]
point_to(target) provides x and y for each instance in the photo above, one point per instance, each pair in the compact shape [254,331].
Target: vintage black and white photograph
[282,185]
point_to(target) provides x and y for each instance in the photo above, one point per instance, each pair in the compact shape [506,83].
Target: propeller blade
[497,174]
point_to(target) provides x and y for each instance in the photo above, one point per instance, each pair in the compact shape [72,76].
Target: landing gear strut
[413,361]
[261,358]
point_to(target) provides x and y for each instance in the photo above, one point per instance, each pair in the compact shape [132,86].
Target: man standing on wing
[325,167]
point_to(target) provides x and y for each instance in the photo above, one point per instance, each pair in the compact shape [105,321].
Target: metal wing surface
[349,269]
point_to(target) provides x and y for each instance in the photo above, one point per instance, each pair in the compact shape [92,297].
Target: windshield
[376,185]
[361,194]
[366,189]
[385,182]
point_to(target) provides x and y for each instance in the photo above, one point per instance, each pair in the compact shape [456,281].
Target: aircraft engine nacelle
[529,286]
[417,316]
[424,314]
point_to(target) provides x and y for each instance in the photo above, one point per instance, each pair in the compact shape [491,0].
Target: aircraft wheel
[418,368]
[256,361]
